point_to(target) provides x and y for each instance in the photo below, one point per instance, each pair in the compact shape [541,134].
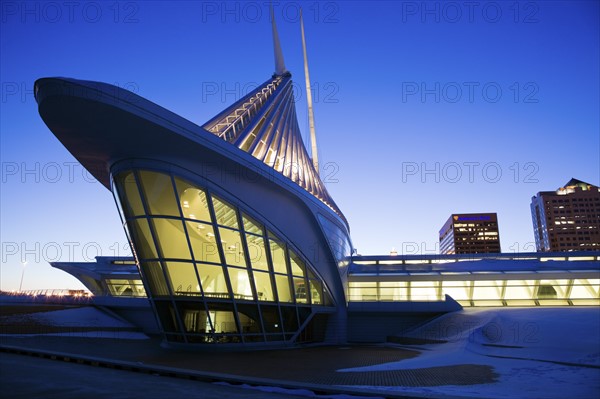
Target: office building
[567,219]
[470,233]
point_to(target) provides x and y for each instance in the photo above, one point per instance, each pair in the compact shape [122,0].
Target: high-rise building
[567,219]
[470,233]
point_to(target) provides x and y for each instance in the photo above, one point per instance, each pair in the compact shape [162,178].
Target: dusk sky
[422,109]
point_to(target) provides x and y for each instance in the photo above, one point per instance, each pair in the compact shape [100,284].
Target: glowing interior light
[185,204]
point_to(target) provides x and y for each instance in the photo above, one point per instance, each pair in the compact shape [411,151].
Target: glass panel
[487,290]
[249,319]
[316,292]
[128,288]
[311,275]
[362,291]
[517,289]
[303,314]
[194,317]
[225,213]
[552,289]
[223,321]
[290,320]
[240,283]
[132,201]
[263,286]
[251,226]
[584,289]
[166,315]
[458,290]
[160,197]
[393,291]
[212,280]
[278,257]
[297,264]
[300,290]
[193,201]
[283,288]
[202,238]
[271,320]
[142,239]
[171,238]
[232,247]
[256,250]
[183,278]
[153,273]
[424,290]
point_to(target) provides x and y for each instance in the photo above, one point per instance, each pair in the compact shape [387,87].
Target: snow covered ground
[74,322]
[81,317]
[537,352]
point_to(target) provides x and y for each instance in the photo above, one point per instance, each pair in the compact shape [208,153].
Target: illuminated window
[145,248]
[212,279]
[195,266]
[204,245]
[251,226]
[159,194]
[155,277]
[257,252]
[232,247]
[225,214]
[283,288]
[128,187]
[171,238]
[262,283]
[277,256]
[193,201]
[240,283]
[183,278]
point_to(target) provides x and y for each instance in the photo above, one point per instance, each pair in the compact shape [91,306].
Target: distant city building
[567,219]
[470,233]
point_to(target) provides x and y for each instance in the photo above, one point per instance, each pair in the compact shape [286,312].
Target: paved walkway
[308,365]
[25,377]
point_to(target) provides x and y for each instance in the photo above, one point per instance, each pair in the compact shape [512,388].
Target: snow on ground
[526,347]
[79,317]
[88,322]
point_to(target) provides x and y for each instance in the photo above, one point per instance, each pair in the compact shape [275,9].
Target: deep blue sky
[498,102]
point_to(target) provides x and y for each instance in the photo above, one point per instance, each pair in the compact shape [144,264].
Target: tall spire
[279,64]
[311,116]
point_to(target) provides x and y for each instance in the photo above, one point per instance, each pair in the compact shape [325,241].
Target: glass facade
[125,288]
[214,273]
[492,292]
